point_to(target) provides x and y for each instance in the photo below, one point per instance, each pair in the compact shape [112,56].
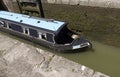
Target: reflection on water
[102,58]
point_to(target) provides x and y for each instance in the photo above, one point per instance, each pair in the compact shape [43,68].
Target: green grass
[99,24]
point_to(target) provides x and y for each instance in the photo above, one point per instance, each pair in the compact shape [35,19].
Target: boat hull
[55,47]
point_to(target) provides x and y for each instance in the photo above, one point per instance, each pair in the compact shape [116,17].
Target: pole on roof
[39,5]
[19,6]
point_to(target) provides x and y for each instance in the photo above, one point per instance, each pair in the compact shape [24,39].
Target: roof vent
[38,21]
[21,20]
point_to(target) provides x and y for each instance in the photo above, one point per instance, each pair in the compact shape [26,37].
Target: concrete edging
[96,3]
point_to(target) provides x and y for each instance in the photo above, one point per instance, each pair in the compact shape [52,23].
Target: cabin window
[26,31]
[9,26]
[2,23]
[33,32]
[5,25]
[16,27]
[42,35]
[49,37]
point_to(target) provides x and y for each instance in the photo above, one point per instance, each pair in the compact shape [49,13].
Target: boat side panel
[32,39]
[33,36]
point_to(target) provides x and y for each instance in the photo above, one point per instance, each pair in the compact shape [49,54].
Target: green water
[105,59]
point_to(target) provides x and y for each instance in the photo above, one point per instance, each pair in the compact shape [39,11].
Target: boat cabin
[46,31]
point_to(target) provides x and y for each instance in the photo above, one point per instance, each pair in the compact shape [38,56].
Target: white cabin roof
[52,25]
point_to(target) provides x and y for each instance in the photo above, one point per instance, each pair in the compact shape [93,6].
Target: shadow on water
[92,50]
[83,50]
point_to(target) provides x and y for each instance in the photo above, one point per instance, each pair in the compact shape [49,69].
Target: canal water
[102,58]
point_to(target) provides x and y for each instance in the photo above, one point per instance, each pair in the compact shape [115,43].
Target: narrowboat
[47,32]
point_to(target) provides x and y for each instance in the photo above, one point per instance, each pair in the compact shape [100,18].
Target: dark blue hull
[73,47]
